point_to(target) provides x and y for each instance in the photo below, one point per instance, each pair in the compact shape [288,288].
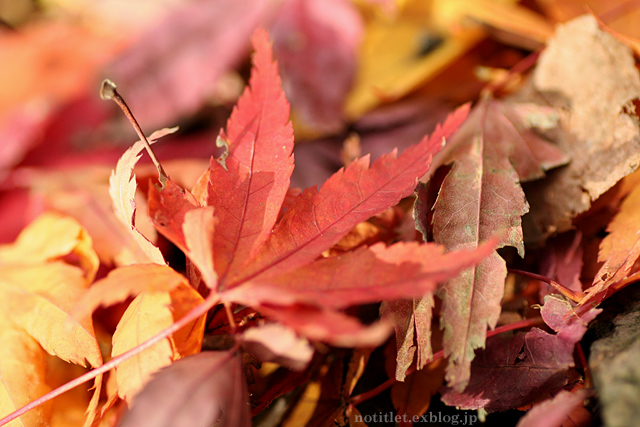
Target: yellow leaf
[402,51]
[22,373]
[124,282]
[122,188]
[37,290]
[52,236]
[69,408]
[392,62]
[500,14]
[147,315]
[38,298]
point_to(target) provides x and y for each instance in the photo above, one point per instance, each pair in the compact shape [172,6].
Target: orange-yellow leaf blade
[122,188]
[148,315]
[124,282]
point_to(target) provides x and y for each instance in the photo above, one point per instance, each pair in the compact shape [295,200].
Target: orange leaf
[37,291]
[149,314]
[52,236]
[22,374]
[619,250]
[124,282]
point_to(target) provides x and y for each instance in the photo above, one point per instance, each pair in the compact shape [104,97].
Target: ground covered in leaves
[353,213]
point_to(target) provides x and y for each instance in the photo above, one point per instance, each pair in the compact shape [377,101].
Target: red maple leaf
[276,266]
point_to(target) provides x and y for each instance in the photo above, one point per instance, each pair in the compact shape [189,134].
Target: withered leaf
[591,75]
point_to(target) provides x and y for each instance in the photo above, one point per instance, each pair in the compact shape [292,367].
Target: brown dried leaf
[592,75]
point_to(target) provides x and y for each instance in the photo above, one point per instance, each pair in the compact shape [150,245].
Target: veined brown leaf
[480,198]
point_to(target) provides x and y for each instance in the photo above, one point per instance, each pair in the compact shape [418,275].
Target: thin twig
[358,399]
[198,311]
[108,91]
[520,67]
[572,295]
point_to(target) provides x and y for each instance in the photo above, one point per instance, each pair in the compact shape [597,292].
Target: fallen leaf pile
[373,213]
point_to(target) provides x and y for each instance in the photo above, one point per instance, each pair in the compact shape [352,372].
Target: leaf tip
[107,90]
[221,142]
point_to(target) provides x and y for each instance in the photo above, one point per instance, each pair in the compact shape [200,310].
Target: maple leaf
[565,408]
[206,389]
[37,292]
[147,315]
[619,251]
[481,197]
[122,188]
[533,363]
[268,265]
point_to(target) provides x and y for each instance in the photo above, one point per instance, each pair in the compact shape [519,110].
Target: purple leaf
[522,367]
[197,391]
[316,43]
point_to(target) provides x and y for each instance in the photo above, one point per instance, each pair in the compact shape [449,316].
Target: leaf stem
[232,321]
[108,91]
[588,379]
[572,295]
[198,311]
[520,67]
[358,399]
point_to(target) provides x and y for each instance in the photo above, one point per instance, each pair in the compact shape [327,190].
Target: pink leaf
[173,67]
[198,391]
[316,43]
[561,410]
